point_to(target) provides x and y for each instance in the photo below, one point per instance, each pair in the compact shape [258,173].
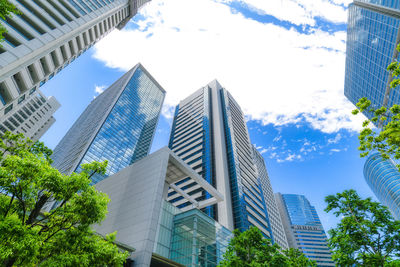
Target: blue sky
[282,60]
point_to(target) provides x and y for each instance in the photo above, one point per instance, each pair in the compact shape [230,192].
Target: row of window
[57,59]
[27,117]
[125,136]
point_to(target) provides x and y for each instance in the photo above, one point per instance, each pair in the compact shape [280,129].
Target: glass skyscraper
[209,133]
[303,228]
[372,36]
[383,178]
[41,41]
[117,126]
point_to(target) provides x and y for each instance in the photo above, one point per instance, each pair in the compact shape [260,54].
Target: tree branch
[360,226]
[36,210]
[9,205]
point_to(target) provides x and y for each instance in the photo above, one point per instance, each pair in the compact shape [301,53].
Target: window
[8,109]
[22,98]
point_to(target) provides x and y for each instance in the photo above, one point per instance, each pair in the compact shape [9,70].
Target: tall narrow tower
[209,133]
[383,178]
[117,126]
[303,228]
[270,203]
[44,39]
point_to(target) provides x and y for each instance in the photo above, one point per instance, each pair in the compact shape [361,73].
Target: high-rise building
[117,126]
[34,117]
[383,178]
[373,33]
[273,213]
[303,228]
[372,36]
[209,133]
[45,38]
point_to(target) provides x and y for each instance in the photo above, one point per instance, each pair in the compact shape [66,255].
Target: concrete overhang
[178,170]
[137,193]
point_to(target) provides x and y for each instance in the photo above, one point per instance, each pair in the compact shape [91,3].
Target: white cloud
[300,12]
[305,150]
[99,89]
[257,147]
[277,138]
[335,140]
[307,143]
[342,2]
[289,157]
[335,150]
[277,75]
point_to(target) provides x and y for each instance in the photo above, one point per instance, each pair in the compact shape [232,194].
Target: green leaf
[250,248]
[61,237]
[367,234]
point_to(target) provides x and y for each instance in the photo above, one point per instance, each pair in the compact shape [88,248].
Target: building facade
[383,178]
[209,133]
[161,233]
[46,37]
[303,228]
[273,212]
[372,36]
[117,126]
[33,118]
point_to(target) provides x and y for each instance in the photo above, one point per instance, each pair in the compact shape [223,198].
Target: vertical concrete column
[225,213]
[194,242]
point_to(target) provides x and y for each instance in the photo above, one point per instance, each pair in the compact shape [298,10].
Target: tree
[386,140]
[251,249]
[6,9]
[367,234]
[62,237]
[296,258]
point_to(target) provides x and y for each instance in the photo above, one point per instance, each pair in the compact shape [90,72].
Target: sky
[282,60]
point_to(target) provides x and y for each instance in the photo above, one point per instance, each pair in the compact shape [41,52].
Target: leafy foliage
[6,9]
[61,237]
[367,234]
[387,140]
[251,249]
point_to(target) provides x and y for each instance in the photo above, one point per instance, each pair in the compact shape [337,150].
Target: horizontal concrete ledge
[379,9]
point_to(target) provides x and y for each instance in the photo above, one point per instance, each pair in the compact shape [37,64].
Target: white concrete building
[48,36]
[157,230]
[274,217]
[210,134]
[33,117]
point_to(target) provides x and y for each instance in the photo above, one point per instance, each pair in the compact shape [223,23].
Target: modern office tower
[209,133]
[46,37]
[383,178]
[33,118]
[372,36]
[117,126]
[273,213]
[303,228]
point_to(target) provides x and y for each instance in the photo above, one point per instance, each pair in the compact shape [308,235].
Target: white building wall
[136,196]
[273,213]
[32,117]
[225,213]
[48,36]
